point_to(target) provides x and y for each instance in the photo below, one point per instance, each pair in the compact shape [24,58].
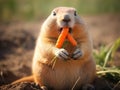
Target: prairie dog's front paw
[62,54]
[77,54]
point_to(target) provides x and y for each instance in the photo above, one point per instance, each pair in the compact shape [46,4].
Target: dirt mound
[16,46]
[11,39]
[99,84]
[20,86]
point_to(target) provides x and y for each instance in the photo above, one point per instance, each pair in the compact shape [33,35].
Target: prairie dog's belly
[64,74]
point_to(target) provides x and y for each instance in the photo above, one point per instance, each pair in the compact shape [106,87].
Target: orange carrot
[62,37]
[72,40]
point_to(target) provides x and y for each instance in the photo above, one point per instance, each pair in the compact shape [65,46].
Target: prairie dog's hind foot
[41,87]
[44,88]
[88,87]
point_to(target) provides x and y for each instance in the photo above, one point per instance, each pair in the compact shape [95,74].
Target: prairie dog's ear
[54,13]
[75,13]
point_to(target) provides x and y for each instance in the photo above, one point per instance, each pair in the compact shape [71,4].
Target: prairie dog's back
[71,62]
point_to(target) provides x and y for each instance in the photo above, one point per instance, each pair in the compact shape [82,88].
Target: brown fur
[66,72]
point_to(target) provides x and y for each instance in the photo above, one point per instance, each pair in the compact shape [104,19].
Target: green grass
[103,58]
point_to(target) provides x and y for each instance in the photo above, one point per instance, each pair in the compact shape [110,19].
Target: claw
[44,88]
[77,53]
[62,54]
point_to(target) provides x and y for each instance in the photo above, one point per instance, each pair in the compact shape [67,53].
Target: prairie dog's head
[61,17]
[65,16]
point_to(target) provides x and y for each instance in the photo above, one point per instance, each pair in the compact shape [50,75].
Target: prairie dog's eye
[54,13]
[75,13]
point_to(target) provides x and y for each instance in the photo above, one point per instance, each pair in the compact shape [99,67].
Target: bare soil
[17,42]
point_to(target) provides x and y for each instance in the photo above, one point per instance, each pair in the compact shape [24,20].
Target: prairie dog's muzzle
[66,18]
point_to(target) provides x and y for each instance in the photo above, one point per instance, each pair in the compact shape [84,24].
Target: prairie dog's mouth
[70,30]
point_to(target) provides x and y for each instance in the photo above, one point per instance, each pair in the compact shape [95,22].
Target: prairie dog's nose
[66,18]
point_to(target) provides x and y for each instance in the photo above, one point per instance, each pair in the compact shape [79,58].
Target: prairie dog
[71,62]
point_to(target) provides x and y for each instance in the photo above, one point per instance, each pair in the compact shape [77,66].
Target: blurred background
[20,22]
[37,9]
